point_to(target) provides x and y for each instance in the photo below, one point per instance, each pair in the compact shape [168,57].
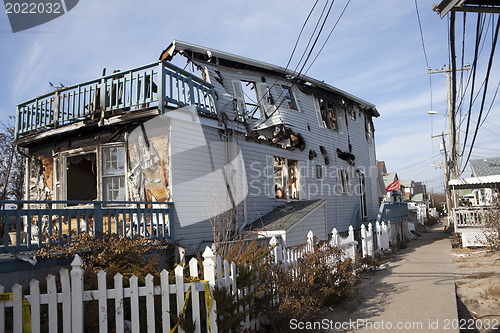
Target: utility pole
[446,174]
[454,138]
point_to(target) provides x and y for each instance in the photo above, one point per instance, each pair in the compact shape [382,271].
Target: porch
[36,223]
[469,221]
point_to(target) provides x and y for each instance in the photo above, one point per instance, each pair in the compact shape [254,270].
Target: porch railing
[154,86]
[38,222]
[465,217]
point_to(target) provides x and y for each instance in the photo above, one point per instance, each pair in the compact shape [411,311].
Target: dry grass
[493,292]
[481,275]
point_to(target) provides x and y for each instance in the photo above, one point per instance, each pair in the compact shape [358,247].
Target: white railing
[64,306]
[465,217]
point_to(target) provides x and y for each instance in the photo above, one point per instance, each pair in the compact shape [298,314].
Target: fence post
[310,241]
[370,240]
[352,244]
[195,296]
[17,308]
[77,295]
[378,232]
[364,245]
[383,236]
[209,276]
[335,237]
[276,249]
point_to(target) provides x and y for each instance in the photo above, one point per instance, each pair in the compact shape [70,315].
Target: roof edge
[179,46]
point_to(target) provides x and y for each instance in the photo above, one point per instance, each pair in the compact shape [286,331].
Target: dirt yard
[477,283]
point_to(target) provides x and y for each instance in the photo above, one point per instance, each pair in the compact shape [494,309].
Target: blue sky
[375,53]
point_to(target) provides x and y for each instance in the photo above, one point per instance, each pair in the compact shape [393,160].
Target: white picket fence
[66,304]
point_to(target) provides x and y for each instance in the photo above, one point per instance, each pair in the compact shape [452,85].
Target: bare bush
[492,226]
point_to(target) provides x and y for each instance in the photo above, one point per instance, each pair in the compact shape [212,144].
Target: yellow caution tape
[208,303]
[26,316]
[7,297]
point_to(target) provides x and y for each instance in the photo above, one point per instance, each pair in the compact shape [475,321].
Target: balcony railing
[154,86]
[469,217]
[41,222]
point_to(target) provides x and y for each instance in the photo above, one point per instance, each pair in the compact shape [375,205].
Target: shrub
[320,279]
[492,226]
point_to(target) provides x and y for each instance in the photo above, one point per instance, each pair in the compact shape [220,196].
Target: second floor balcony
[142,91]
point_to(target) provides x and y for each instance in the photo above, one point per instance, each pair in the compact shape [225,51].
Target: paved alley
[415,293]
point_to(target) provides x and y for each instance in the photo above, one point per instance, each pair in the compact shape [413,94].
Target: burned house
[219,147]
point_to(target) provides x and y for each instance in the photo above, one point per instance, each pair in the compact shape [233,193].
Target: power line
[317,37]
[421,35]
[328,37]
[311,37]
[473,74]
[490,62]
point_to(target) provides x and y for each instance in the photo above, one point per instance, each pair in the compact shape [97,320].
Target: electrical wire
[491,105]
[312,35]
[316,39]
[328,37]
[473,74]
[490,62]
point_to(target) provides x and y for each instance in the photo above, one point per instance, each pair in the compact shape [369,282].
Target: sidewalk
[415,293]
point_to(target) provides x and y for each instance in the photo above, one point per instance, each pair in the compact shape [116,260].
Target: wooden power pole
[454,164]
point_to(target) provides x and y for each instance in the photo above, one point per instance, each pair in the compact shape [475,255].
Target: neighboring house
[407,186]
[418,201]
[477,195]
[247,138]
[393,189]
[482,168]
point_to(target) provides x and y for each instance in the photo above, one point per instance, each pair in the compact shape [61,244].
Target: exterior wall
[339,207]
[297,234]
[200,170]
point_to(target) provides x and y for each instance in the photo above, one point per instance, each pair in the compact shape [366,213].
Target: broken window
[254,100]
[319,172]
[82,172]
[81,177]
[286,183]
[369,129]
[289,98]
[251,99]
[328,114]
[362,192]
[113,173]
[344,180]
[349,107]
